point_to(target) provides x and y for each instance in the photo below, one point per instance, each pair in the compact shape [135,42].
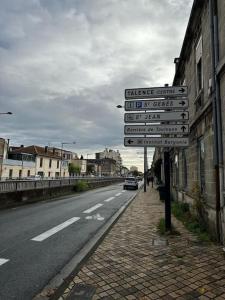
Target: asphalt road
[38,240]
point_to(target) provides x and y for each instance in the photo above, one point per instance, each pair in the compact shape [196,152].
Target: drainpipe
[217,124]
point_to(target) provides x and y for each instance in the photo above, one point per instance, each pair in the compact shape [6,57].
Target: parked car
[130,182]
[34,177]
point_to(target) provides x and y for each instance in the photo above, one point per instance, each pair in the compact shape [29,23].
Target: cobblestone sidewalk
[134,262]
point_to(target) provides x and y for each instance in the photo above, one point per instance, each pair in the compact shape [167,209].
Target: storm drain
[82,292]
[159,242]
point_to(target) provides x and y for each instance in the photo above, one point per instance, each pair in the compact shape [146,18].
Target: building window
[49,174]
[201,164]
[41,162]
[199,74]
[28,173]
[57,164]
[20,173]
[10,173]
[50,163]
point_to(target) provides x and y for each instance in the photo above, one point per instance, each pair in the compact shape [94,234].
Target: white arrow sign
[156,92]
[156,117]
[156,104]
[156,129]
[155,142]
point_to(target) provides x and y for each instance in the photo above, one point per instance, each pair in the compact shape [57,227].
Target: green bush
[81,186]
[162,228]
[182,212]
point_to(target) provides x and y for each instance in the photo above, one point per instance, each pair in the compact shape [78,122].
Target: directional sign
[156,117]
[156,129]
[155,142]
[156,92]
[156,104]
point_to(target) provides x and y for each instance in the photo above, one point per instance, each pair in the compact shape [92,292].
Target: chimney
[46,149]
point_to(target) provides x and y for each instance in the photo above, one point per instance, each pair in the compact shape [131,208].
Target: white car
[34,177]
[130,182]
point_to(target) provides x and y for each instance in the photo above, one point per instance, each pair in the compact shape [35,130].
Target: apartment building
[112,154]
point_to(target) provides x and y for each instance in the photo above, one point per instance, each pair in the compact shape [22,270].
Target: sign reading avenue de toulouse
[156,104]
[156,117]
[156,92]
[156,129]
[156,142]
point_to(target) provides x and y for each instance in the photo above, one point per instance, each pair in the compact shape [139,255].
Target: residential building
[115,155]
[103,167]
[197,172]
[81,163]
[47,163]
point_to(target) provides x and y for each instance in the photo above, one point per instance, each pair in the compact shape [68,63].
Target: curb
[55,288]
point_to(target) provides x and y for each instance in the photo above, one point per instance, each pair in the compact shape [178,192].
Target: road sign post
[167,115]
[167,191]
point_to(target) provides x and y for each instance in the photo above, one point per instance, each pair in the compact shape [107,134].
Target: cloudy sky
[65,65]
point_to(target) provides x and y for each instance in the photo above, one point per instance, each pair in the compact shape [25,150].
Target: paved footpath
[134,262]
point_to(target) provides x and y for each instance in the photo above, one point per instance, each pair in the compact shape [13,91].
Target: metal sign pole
[167,190]
[145,168]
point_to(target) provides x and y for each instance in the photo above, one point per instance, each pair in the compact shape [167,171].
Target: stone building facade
[197,173]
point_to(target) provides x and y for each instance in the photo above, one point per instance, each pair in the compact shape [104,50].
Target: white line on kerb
[54,230]
[3,261]
[118,194]
[109,199]
[92,208]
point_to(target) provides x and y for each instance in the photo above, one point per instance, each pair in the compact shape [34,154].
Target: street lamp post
[62,144]
[6,113]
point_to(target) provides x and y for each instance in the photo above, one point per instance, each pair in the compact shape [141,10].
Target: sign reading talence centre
[156,129]
[156,117]
[156,92]
[155,142]
[156,104]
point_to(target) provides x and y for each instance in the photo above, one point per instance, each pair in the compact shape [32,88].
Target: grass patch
[81,186]
[195,225]
[162,228]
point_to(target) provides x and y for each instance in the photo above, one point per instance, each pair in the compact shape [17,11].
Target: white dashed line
[109,199]
[118,194]
[92,208]
[123,191]
[54,230]
[3,261]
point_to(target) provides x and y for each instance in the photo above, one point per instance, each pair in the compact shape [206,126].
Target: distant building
[112,154]
[103,167]
[47,163]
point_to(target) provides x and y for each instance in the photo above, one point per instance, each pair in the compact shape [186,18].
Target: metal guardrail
[23,185]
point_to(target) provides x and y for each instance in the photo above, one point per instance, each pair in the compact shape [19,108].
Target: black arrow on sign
[183,115]
[183,128]
[182,102]
[130,142]
[182,90]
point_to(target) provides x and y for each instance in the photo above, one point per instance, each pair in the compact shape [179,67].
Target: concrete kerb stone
[59,283]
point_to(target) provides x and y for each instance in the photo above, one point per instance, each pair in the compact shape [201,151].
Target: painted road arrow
[156,104]
[156,142]
[156,92]
[152,117]
[156,129]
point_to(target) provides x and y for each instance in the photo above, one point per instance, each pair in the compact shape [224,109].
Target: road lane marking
[97,217]
[92,208]
[123,191]
[54,230]
[3,261]
[118,194]
[109,199]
